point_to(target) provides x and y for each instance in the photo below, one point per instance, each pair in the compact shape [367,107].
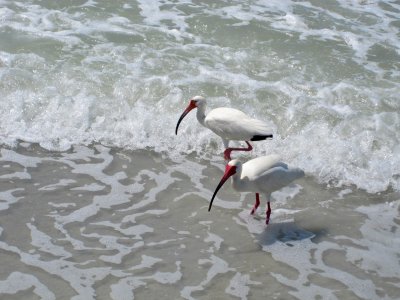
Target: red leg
[256,204]
[268,213]
[227,152]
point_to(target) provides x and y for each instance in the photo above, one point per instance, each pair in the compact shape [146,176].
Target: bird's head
[199,101]
[233,167]
[196,101]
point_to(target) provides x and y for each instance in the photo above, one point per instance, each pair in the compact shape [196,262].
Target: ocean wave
[327,84]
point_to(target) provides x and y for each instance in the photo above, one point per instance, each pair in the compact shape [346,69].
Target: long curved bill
[229,171]
[191,105]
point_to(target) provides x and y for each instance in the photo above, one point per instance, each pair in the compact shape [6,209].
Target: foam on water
[218,266]
[381,237]
[131,238]
[18,281]
[7,198]
[324,76]
[292,245]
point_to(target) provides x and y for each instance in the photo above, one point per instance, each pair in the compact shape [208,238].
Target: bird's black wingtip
[261,137]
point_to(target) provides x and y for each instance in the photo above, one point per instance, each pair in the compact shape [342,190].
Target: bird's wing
[257,127]
[233,124]
[256,167]
[277,177]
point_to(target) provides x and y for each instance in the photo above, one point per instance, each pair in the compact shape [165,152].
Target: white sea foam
[123,79]
[7,198]
[89,187]
[292,245]
[18,281]
[126,286]
[61,183]
[381,238]
[80,279]
[43,242]
[239,286]
[218,266]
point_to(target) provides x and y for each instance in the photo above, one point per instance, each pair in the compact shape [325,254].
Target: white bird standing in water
[264,174]
[229,124]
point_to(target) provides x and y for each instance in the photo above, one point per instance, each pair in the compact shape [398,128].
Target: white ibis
[264,174]
[229,124]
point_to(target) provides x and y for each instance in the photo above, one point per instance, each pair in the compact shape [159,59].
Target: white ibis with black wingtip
[264,174]
[228,123]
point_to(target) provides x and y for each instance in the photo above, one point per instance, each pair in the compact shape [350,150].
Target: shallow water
[98,222]
[99,199]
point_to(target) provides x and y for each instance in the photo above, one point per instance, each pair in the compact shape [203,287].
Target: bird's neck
[201,114]
[239,184]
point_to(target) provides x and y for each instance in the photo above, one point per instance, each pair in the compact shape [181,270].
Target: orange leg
[227,152]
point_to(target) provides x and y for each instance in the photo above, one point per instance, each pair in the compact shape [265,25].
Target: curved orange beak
[229,171]
[192,104]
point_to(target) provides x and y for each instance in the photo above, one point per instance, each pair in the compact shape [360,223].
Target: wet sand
[104,223]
